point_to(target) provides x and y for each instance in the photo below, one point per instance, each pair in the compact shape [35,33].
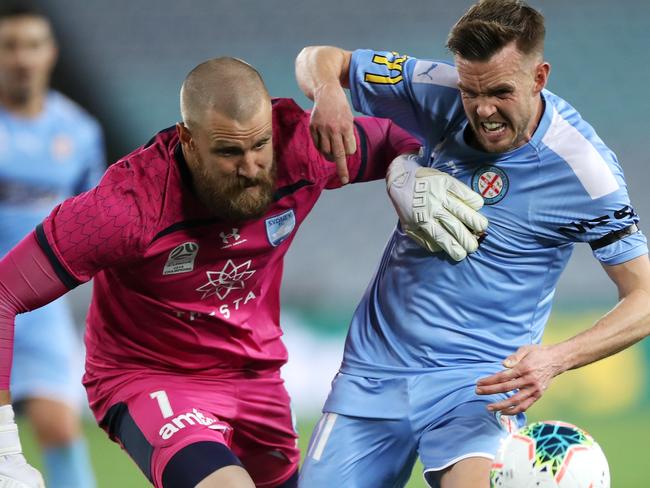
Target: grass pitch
[624,439]
[609,399]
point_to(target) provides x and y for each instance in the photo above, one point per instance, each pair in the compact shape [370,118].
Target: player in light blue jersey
[50,149]
[423,369]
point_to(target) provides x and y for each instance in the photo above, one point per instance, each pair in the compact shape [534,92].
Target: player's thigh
[228,477]
[358,453]
[174,436]
[264,435]
[236,477]
[48,359]
[205,464]
[468,431]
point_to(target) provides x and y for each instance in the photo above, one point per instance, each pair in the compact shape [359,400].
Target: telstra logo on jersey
[181,259]
[279,227]
[231,277]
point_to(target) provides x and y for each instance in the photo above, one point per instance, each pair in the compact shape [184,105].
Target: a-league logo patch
[181,259]
[491,183]
[278,228]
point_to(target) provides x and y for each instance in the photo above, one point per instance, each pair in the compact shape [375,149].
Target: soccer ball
[549,455]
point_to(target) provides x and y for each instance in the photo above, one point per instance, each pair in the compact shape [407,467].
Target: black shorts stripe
[363,139]
[121,427]
[66,278]
[195,462]
[614,236]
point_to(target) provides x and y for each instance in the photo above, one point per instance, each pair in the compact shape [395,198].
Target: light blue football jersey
[44,160]
[424,312]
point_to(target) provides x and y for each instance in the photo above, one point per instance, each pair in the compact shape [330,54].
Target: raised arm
[322,73]
[317,66]
[442,214]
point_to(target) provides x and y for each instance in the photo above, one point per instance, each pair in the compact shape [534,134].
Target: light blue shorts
[373,430]
[48,356]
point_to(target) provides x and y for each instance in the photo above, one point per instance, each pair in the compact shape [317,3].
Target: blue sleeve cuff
[624,250]
[352,81]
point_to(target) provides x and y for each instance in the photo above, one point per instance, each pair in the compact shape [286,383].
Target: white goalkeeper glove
[435,209]
[14,470]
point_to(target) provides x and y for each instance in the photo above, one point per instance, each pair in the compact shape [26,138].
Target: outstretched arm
[531,368]
[28,281]
[322,73]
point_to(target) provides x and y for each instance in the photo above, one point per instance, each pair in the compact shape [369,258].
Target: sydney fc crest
[491,183]
[279,227]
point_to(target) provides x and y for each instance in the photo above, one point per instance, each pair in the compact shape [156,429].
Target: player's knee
[50,434]
[205,464]
[55,424]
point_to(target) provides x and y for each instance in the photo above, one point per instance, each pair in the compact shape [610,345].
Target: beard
[18,95]
[20,86]
[234,197]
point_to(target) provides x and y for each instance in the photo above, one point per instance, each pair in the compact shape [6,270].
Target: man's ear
[184,134]
[541,76]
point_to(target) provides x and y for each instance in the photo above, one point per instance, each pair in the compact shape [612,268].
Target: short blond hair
[226,85]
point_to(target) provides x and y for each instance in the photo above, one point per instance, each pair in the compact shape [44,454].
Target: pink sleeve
[28,281]
[379,141]
[103,227]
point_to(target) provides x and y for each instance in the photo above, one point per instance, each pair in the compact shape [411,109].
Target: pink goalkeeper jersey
[177,290]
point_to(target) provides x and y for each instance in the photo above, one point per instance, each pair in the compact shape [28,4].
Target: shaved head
[227,138]
[228,86]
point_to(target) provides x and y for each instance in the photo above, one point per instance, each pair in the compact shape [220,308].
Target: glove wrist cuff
[9,439]
[401,165]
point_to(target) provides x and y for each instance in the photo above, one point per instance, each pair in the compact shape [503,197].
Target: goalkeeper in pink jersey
[185,239]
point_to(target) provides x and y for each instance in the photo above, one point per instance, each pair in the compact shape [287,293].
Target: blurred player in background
[185,238]
[50,149]
[422,369]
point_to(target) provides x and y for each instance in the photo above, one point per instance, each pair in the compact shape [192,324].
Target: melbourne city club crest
[491,183]
[231,277]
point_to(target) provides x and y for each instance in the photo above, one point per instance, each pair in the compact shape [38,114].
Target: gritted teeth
[493,126]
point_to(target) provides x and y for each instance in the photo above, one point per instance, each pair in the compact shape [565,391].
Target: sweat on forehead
[226,85]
